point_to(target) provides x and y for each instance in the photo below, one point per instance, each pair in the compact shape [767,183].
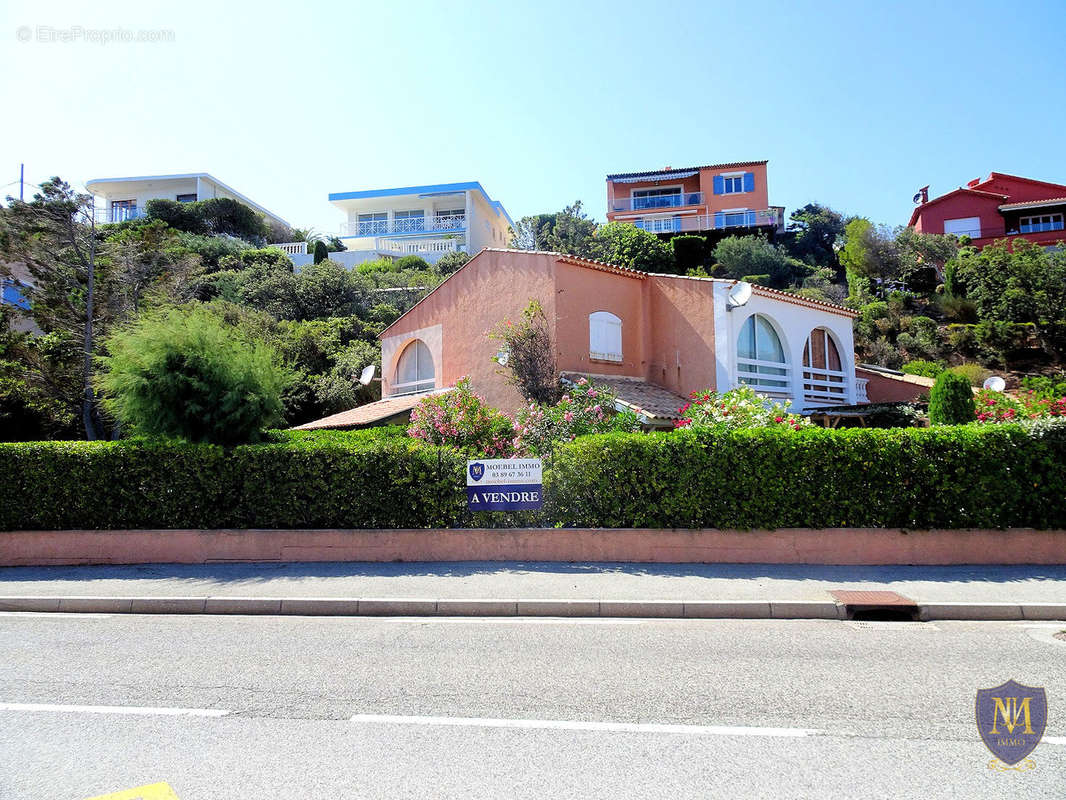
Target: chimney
[973,183]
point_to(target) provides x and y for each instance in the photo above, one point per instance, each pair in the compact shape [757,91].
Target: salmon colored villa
[652,338]
[728,198]
[1000,206]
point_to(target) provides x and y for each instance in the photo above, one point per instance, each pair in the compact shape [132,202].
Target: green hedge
[968,476]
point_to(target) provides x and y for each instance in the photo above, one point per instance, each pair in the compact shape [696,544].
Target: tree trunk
[88,404]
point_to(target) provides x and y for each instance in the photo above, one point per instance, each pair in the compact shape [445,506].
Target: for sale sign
[504,484]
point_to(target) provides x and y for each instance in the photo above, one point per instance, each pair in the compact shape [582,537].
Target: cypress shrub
[951,400]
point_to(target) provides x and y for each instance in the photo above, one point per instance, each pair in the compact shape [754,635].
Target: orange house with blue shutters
[727,199]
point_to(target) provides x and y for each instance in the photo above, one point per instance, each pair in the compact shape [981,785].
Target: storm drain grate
[876,606]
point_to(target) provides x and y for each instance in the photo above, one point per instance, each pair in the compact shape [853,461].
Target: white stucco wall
[794,324]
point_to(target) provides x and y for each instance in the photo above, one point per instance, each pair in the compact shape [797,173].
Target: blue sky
[856,105]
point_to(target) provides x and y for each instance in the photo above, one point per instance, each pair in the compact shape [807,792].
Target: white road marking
[579,725]
[138,710]
[54,616]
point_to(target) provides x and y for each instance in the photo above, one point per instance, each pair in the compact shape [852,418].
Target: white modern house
[426,221]
[120,199]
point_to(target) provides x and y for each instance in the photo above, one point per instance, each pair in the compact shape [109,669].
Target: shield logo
[477,470]
[1011,719]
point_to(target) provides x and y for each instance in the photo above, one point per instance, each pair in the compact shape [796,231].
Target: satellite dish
[995,383]
[738,295]
[367,374]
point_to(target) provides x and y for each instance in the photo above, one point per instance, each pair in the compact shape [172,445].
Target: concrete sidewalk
[554,589]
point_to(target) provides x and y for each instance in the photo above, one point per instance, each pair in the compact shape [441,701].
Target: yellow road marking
[155,791]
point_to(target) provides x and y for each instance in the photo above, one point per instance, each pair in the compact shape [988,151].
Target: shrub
[970,476]
[1045,386]
[736,409]
[975,476]
[450,262]
[321,251]
[951,400]
[629,246]
[584,409]
[690,252]
[377,265]
[219,215]
[528,355]
[460,419]
[927,369]
[998,407]
[183,373]
[416,263]
[974,373]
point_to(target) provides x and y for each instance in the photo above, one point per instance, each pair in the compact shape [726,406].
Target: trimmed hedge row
[948,477]
[967,476]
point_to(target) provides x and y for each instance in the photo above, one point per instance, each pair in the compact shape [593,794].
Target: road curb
[501,607]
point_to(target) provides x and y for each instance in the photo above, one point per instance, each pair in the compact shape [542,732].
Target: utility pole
[22,177]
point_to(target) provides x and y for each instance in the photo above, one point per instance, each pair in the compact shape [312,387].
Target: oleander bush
[953,477]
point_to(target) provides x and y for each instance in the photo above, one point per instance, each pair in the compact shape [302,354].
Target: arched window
[761,361]
[605,336]
[823,372]
[414,370]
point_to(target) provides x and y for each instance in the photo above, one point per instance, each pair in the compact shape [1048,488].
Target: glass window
[657,198]
[823,378]
[605,336]
[1040,223]
[759,349]
[414,370]
[187,198]
[122,210]
[733,184]
[409,221]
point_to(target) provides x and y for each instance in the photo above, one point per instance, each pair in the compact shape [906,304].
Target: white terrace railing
[824,387]
[292,248]
[860,390]
[415,247]
[379,227]
[104,216]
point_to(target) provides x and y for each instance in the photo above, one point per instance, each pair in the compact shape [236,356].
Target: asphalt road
[513,708]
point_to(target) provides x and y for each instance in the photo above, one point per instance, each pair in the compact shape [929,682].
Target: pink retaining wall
[785,546]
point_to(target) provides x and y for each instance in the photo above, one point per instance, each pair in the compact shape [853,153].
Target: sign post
[504,484]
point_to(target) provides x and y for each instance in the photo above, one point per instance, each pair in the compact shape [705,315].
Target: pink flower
[569,416]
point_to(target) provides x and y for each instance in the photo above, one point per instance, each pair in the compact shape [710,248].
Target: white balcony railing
[642,203]
[105,216]
[292,248]
[709,222]
[416,247]
[860,390]
[382,227]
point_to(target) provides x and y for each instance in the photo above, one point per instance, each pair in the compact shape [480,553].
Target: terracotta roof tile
[643,398]
[1033,203]
[728,165]
[367,414]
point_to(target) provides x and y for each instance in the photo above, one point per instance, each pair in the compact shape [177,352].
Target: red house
[1000,206]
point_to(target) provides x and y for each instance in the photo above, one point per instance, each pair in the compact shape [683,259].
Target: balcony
[444,224]
[721,220]
[427,248]
[657,201]
[106,216]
